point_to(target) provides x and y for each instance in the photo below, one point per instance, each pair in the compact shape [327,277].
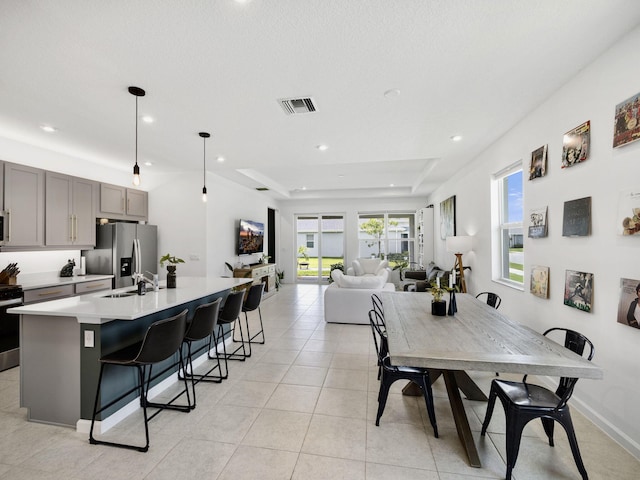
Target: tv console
[260,273]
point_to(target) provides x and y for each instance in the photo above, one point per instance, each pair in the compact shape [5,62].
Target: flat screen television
[250,237]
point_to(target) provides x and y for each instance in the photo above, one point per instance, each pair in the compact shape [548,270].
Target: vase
[439,308]
[171,276]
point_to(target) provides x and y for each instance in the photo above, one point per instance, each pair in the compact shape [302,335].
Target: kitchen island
[63,340]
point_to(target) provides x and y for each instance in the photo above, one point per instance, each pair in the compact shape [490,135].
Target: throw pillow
[369,265]
[357,268]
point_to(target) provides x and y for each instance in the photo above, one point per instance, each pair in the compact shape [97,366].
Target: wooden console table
[260,273]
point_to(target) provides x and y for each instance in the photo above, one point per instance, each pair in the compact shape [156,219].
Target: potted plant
[438,305]
[171,269]
[302,253]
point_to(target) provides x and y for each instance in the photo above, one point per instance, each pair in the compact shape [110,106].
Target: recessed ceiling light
[456,138]
[48,128]
[304,188]
[391,185]
[341,176]
[148,119]
[148,164]
[392,92]
[220,159]
[322,147]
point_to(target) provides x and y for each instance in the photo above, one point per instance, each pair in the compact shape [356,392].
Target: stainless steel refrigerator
[123,249]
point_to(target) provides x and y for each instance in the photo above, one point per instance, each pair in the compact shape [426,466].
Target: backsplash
[39,262]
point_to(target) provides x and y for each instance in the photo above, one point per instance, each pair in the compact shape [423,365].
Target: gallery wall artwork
[538,164]
[448,218]
[629,212]
[539,281]
[576,218]
[575,145]
[628,308]
[578,290]
[626,126]
[538,223]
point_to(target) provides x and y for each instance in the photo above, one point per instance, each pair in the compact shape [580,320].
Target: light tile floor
[302,407]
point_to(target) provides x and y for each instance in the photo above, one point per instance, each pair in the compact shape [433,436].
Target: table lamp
[459,245]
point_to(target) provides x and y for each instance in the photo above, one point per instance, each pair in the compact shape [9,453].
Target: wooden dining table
[476,338]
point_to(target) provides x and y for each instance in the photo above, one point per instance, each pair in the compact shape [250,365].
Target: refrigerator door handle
[137,258]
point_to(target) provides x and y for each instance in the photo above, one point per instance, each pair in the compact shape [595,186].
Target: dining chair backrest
[492,299]
[379,334]
[378,307]
[254,297]
[232,306]
[162,339]
[204,321]
[577,343]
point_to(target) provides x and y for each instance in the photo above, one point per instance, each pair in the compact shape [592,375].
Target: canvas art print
[448,218]
[629,213]
[538,223]
[626,128]
[628,303]
[540,281]
[575,145]
[538,165]
[578,290]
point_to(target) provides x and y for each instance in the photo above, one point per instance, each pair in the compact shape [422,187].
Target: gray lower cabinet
[24,206]
[36,295]
[70,211]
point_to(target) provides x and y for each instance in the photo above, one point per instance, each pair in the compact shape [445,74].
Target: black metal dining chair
[492,299]
[392,373]
[377,305]
[201,327]
[524,402]
[162,340]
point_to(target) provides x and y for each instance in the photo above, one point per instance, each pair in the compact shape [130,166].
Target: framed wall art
[626,126]
[448,218]
[539,281]
[538,165]
[576,218]
[538,222]
[578,290]
[575,145]
[629,212]
[629,302]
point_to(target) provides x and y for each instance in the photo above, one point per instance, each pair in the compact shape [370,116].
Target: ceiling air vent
[295,106]
[262,189]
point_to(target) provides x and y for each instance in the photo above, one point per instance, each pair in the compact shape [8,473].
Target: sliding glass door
[319,244]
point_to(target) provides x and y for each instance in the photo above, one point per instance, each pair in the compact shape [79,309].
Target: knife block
[7,280]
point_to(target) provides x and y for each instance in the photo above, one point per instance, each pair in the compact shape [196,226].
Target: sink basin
[120,295]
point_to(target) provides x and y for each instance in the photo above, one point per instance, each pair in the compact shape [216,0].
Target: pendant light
[204,136]
[137,92]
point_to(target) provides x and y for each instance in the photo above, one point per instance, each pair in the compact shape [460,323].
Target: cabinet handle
[97,285]
[71,228]
[75,228]
[123,205]
[9,226]
[128,204]
[46,294]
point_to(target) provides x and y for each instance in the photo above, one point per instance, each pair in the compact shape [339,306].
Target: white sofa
[348,298]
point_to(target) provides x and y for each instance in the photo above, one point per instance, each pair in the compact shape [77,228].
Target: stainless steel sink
[120,295]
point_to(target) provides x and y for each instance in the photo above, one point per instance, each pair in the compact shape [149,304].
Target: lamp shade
[459,244]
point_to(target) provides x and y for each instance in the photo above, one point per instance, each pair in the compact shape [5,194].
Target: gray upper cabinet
[24,206]
[122,203]
[70,211]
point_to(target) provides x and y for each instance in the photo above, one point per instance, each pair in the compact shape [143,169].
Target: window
[309,240]
[508,238]
[387,235]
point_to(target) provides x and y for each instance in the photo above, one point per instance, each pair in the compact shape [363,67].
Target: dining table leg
[460,418]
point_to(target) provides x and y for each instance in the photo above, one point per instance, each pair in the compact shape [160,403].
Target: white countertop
[98,308]
[30,281]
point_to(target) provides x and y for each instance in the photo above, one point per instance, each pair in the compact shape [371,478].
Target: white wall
[350,208]
[592,95]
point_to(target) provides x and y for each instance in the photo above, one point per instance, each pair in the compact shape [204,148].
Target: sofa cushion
[352,281]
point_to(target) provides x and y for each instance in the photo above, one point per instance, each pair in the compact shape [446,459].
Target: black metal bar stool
[205,320]
[161,340]
[228,315]
[251,303]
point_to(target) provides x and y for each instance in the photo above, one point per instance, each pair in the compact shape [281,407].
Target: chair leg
[224,352]
[547,424]
[261,342]
[382,398]
[428,398]
[235,355]
[566,422]
[490,404]
[515,425]
[188,374]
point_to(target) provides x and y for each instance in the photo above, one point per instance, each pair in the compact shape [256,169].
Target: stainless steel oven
[2,227]
[10,296]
